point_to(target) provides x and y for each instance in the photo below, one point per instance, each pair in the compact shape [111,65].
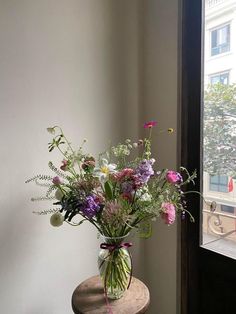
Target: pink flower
[173,177]
[64,165]
[168,213]
[56,180]
[113,214]
[150,124]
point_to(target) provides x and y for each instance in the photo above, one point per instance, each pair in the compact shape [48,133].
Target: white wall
[73,63]
[160,103]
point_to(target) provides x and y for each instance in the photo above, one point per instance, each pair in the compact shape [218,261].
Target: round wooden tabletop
[89,298]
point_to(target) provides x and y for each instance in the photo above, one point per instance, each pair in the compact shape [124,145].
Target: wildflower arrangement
[114,192]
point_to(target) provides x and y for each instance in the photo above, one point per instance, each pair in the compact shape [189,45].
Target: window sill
[220,55]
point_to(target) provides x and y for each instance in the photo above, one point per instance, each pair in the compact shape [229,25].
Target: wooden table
[89,298]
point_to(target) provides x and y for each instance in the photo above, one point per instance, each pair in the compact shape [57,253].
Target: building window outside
[220,40]
[218,183]
[227,209]
[222,78]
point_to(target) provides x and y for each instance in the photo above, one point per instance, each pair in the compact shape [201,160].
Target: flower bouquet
[117,194]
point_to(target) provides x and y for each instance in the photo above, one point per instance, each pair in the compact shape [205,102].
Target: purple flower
[144,171]
[173,177]
[56,180]
[127,187]
[91,206]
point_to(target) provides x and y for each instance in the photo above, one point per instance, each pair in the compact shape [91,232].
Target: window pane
[222,78]
[227,209]
[220,40]
[219,128]
[213,39]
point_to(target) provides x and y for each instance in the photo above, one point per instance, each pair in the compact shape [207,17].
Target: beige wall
[98,68]
[160,103]
[73,63]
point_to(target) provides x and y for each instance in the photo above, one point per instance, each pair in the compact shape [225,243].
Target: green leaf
[108,190]
[145,230]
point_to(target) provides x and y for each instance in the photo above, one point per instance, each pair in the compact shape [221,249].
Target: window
[222,78]
[227,209]
[220,40]
[219,183]
[210,275]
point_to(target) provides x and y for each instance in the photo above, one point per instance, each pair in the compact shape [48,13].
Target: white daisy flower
[103,171]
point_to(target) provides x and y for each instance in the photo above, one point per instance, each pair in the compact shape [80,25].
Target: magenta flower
[168,213]
[173,177]
[56,180]
[150,124]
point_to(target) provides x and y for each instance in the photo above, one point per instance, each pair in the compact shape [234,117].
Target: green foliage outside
[219,133]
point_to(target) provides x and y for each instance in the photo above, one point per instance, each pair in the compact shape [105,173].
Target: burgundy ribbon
[111,248]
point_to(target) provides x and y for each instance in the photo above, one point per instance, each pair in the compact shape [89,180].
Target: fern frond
[51,189]
[37,182]
[42,198]
[56,170]
[41,177]
[46,211]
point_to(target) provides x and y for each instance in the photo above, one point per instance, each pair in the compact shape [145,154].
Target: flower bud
[51,130]
[58,194]
[56,219]
[56,180]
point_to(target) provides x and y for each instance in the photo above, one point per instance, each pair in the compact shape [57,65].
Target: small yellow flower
[170,130]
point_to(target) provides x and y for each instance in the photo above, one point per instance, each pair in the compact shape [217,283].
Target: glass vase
[114,264]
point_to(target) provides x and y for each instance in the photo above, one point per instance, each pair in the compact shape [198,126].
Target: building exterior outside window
[219,189]
[222,78]
[219,183]
[220,40]
[220,35]
[227,209]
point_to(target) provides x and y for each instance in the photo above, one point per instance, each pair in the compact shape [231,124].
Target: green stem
[67,142]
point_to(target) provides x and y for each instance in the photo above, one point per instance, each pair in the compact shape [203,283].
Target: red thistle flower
[150,124]
[124,174]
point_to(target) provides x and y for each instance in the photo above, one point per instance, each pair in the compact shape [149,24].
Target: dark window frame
[190,143]
[203,271]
